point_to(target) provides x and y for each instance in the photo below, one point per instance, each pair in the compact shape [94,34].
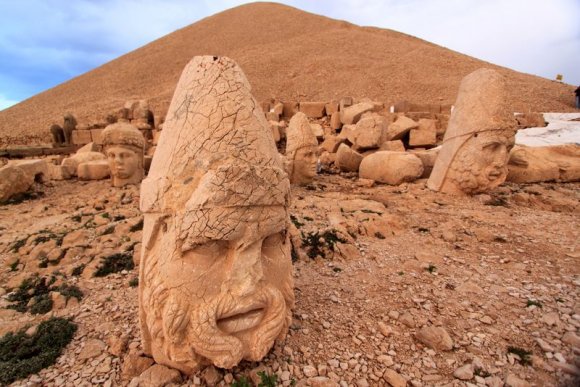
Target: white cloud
[5,103]
[44,42]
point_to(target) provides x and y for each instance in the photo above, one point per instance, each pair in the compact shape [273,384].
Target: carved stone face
[304,164]
[216,271]
[123,161]
[481,164]
[227,299]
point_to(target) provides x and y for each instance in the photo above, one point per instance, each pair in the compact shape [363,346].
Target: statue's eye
[273,244]
[210,250]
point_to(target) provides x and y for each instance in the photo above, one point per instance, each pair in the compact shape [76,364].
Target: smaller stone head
[301,150]
[124,147]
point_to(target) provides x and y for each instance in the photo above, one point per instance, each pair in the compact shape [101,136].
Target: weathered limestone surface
[216,274]
[13,180]
[400,127]
[425,134]
[479,137]
[313,109]
[348,159]
[370,132]
[301,150]
[391,168]
[351,114]
[546,163]
[93,170]
[124,146]
[70,164]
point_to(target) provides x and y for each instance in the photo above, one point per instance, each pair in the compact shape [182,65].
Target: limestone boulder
[428,158]
[530,120]
[13,180]
[348,159]
[275,128]
[37,169]
[331,143]
[391,168]
[425,134]
[369,133]
[335,123]
[547,163]
[330,108]
[313,109]
[393,146]
[436,338]
[70,164]
[350,115]
[93,170]
[398,129]
[346,131]
[317,130]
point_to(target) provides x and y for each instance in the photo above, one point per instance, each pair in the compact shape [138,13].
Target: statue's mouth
[494,174]
[241,319]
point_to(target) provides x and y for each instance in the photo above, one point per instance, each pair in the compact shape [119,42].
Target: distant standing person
[577,97]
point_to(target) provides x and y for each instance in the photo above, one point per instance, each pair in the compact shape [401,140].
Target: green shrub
[22,355]
[316,242]
[137,226]
[267,380]
[38,289]
[241,382]
[115,263]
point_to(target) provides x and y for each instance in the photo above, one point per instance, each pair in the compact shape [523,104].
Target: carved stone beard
[471,178]
[191,334]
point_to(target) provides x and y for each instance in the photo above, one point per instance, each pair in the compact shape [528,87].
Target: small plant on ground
[78,270]
[267,380]
[18,244]
[523,354]
[296,222]
[22,355]
[431,268]
[316,242]
[134,282]
[115,263]
[241,382]
[14,265]
[38,289]
[137,226]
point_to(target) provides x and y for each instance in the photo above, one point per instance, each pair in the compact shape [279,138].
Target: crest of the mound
[215,135]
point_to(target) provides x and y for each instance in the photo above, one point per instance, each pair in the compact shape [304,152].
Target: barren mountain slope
[286,53]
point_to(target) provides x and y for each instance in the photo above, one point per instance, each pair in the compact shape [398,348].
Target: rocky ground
[405,286]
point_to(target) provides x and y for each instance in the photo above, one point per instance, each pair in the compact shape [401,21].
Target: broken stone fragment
[347,159]
[391,168]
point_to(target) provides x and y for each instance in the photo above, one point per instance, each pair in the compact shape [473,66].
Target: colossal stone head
[124,146]
[301,150]
[480,135]
[216,274]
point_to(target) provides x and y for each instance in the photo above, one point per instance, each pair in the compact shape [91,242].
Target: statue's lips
[241,319]
[494,174]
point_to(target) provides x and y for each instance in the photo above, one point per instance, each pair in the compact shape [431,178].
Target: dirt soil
[499,273]
[287,54]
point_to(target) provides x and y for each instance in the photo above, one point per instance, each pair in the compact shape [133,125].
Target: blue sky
[46,42]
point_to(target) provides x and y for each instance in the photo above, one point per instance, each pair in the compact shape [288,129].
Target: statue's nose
[246,269]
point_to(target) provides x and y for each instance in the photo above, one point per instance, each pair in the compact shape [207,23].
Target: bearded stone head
[478,140]
[216,275]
